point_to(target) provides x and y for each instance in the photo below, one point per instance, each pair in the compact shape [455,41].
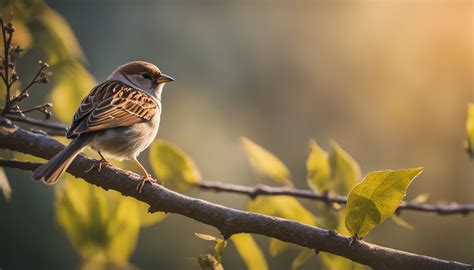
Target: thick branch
[263,190]
[229,221]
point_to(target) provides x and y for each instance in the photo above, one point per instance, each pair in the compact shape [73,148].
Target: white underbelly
[127,142]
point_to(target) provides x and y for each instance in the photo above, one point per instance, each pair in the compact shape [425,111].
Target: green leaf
[470,130]
[218,248]
[401,222]
[72,84]
[302,258]
[344,169]
[333,262]
[148,219]
[284,207]
[5,185]
[265,163]
[376,198]
[277,247]
[318,168]
[102,226]
[249,251]
[172,166]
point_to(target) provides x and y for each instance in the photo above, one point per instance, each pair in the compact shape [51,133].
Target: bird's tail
[55,167]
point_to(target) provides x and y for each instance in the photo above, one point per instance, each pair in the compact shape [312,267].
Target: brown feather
[112,104]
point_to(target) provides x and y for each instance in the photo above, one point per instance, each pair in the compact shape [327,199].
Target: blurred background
[388,80]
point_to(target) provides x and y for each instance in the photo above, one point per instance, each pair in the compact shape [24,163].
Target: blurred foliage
[102,225]
[402,222]
[470,130]
[43,28]
[265,163]
[284,207]
[220,244]
[209,262]
[249,251]
[72,84]
[302,258]
[376,198]
[172,166]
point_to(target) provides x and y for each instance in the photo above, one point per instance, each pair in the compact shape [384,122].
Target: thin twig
[227,220]
[56,128]
[263,190]
[24,92]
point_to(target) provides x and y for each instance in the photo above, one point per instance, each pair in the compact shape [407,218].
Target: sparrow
[119,118]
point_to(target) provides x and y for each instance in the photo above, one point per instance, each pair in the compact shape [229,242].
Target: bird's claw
[98,165]
[146,178]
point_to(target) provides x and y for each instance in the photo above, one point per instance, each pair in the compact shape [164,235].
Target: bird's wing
[112,104]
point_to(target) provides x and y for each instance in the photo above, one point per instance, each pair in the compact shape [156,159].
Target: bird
[119,118]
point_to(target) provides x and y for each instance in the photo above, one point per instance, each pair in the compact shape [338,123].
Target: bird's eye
[146,76]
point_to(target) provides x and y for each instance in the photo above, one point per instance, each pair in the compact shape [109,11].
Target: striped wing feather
[112,104]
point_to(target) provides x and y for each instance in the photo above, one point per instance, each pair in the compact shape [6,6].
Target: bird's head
[142,75]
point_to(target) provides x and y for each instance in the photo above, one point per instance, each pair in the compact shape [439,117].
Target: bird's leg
[146,176]
[99,164]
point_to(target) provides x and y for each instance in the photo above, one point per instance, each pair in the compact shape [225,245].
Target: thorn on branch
[354,239]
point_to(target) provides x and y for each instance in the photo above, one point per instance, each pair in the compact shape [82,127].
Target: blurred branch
[263,190]
[56,128]
[227,220]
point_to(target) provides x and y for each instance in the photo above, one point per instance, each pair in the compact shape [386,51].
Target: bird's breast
[127,142]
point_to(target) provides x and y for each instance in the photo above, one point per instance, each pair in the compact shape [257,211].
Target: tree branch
[55,128]
[263,190]
[59,129]
[227,220]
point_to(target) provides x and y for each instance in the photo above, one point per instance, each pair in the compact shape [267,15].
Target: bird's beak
[165,78]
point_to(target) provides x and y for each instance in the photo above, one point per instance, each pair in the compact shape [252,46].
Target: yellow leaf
[376,198]
[318,168]
[172,166]
[470,130]
[102,226]
[218,248]
[277,247]
[282,206]
[266,163]
[249,251]
[302,258]
[148,219]
[333,262]
[344,169]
